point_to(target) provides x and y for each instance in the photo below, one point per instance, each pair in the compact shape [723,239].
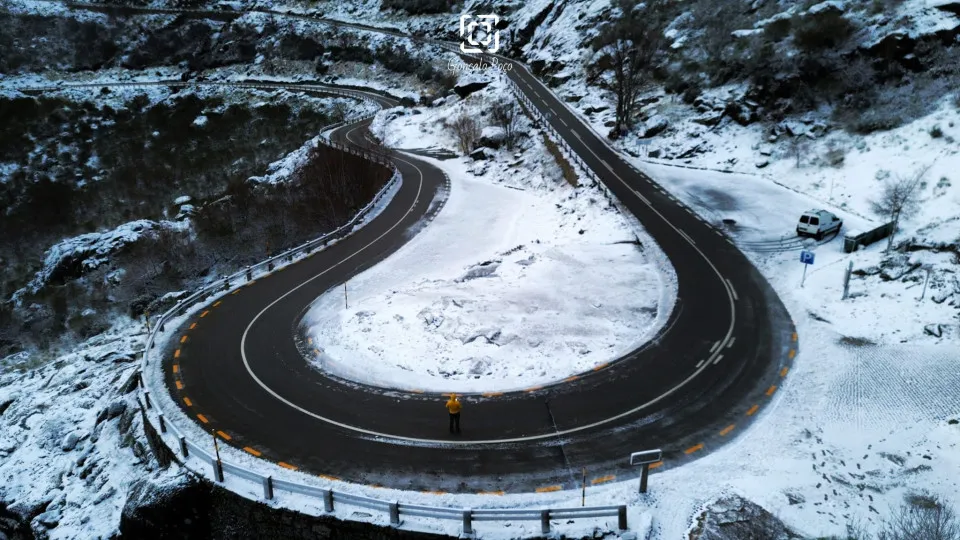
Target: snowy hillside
[491,295]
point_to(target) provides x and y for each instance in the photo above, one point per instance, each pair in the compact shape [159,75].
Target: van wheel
[819,236]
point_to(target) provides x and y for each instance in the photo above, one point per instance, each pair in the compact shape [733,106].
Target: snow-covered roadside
[861,420]
[71,442]
[492,296]
[868,414]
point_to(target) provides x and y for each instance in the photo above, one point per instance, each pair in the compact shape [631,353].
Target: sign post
[645,144]
[645,458]
[806,257]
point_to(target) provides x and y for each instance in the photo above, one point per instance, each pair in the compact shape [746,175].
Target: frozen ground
[70,436]
[861,420]
[491,295]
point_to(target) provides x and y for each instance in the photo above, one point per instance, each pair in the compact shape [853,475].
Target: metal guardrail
[176,438]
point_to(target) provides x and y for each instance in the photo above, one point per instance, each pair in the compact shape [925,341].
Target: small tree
[631,43]
[899,199]
[506,116]
[467,132]
[798,147]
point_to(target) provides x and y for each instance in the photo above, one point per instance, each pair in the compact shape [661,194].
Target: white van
[818,223]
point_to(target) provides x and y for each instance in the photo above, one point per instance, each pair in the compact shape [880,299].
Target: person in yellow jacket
[453,407]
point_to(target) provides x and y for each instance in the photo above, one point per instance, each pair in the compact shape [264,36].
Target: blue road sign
[806,257]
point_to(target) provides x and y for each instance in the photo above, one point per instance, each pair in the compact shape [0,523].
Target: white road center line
[731,342]
[732,290]
[642,198]
[700,363]
[717,361]
[715,345]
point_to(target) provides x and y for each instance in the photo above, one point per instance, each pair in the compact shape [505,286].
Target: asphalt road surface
[238,366]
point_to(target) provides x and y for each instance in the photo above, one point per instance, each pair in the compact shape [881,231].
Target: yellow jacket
[453,404]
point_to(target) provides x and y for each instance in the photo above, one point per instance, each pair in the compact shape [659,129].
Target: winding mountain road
[239,367]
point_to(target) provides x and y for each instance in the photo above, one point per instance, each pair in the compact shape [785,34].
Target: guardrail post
[395,513]
[268,487]
[468,521]
[622,517]
[270,266]
[545,521]
[183,447]
[328,500]
[163,425]
[249,274]
[140,378]
[217,470]
[146,398]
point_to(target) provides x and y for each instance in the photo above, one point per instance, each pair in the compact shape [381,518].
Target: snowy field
[491,295]
[861,421]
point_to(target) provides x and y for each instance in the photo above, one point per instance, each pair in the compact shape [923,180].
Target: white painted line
[686,237]
[642,198]
[715,345]
[577,135]
[561,121]
[717,361]
[731,342]
[607,165]
[732,290]
[700,363]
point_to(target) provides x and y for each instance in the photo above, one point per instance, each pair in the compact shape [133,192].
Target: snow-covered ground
[859,422]
[71,441]
[491,295]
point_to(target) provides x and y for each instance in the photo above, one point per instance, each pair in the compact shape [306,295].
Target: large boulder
[73,257]
[741,113]
[469,83]
[654,126]
[481,154]
[492,137]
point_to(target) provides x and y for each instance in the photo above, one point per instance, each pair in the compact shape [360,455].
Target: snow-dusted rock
[492,137]
[830,6]
[710,119]
[469,83]
[186,211]
[656,125]
[75,256]
[183,199]
[70,442]
[481,153]
[49,519]
[741,113]
[934,330]
[116,409]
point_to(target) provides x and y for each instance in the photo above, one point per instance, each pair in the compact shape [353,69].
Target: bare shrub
[506,115]
[467,132]
[899,199]
[927,518]
[799,146]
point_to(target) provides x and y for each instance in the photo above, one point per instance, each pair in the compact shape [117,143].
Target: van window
[804,219]
[814,221]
